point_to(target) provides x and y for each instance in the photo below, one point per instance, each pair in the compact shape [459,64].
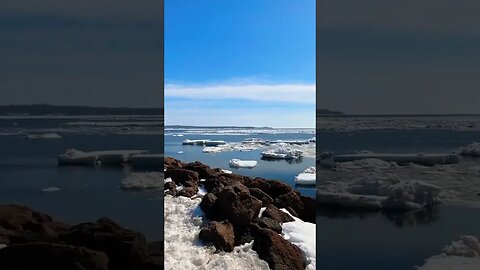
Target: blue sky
[240,62]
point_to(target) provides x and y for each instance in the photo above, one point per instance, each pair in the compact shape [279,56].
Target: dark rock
[182,177]
[309,210]
[291,200]
[170,188]
[19,224]
[278,188]
[187,192]
[154,260]
[276,214]
[237,205]
[213,185]
[259,183]
[207,204]
[204,171]
[126,249]
[278,252]
[271,224]
[172,163]
[262,196]
[50,256]
[221,234]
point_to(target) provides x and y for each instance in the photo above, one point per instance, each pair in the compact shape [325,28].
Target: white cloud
[292,93]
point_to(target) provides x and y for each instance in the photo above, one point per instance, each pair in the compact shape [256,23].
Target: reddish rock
[237,205]
[182,177]
[204,171]
[170,188]
[187,192]
[262,196]
[172,163]
[309,209]
[290,200]
[207,205]
[278,252]
[271,224]
[276,214]
[221,234]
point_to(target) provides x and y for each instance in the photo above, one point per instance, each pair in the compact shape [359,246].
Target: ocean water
[282,170]
[87,193]
[395,241]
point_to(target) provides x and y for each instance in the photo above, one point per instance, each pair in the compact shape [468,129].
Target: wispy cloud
[265,92]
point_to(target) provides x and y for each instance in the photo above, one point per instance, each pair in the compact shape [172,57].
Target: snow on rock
[379,191]
[143,180]
[472,150]
[227,171]
[183,250]
[51,189]
[463,254]
[302,234]
[307,177]
[44,136]
[237,163]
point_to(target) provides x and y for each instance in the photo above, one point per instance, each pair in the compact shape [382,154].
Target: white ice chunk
[237,163]
[2,245]
[472,150]
[227,171]
[77,157]
[143,180]
[463,254]
[307,177]
[44,136]
[51,189]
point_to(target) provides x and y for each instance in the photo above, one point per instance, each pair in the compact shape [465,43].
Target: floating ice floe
[230,147]
[254,141]
[302,234]
[282,153]
[420,158]
[463,254]
[180,152]
[379,191]
[227,171]
[183,220]
[43,136]
[237,163]
[307,177]
[144,180]
[472,150]
[51,189]
[77,157]
[177,135]
[202,142]
[368,163]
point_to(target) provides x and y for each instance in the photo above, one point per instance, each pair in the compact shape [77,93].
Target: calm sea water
[376,241]
[87,193]
[278,169]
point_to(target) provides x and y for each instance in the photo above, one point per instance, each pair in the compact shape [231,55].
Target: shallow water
[87,193]
[277,169]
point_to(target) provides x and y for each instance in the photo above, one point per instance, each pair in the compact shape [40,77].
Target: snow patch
[183,250]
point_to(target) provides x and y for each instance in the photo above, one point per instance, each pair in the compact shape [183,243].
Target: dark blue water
[278,169]
[87,193]
[377,241]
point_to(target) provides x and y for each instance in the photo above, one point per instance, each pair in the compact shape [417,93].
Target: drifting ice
[43,136]
[472,149]
[139,181]
[237,163]
[282,153]
[463,254]
[76,157]
[308,177]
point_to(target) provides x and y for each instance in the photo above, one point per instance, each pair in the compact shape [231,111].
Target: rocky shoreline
[33,240]
[242,209]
